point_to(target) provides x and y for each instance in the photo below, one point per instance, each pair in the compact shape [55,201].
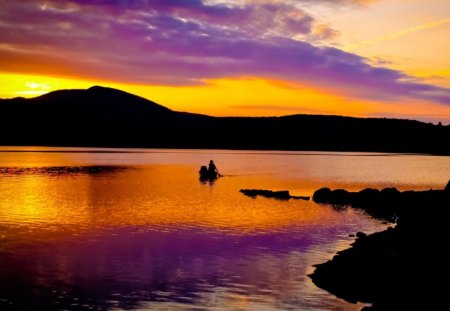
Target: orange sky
[406,37]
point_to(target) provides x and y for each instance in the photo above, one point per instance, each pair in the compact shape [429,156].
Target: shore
[395,269]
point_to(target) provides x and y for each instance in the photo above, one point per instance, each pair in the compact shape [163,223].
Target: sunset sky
[371,58]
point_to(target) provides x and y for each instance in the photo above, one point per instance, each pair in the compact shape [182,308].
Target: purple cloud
[186,42]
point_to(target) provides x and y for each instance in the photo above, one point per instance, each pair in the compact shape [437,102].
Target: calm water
[109,229]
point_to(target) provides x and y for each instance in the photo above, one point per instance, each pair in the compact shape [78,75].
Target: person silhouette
[212,169]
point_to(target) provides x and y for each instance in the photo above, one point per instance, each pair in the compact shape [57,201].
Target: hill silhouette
[106,117]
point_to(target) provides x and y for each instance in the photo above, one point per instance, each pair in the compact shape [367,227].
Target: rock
[366,197]
[339,197]
[300,198]
[281,195]
[376,269]
[335,197]
[383,204]
[360,235]
[322,195]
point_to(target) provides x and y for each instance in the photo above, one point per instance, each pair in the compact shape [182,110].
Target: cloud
[397,34]
[186,42]
[324,32]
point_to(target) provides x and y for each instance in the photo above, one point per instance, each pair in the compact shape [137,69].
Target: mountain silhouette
[106,117]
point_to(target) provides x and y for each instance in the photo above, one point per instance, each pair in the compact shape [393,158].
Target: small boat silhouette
[205,174]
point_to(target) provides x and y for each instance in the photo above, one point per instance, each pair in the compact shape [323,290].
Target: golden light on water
[142,221]
[154,197]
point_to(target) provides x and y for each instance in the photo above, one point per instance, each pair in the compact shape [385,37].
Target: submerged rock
[281,195]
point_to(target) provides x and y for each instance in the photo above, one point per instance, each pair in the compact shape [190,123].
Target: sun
[33,85]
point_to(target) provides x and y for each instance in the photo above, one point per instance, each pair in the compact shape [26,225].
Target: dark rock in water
[366,196]
[306,198]
[340,197]
[382,204]
[281,195]
[335,197]
[360,235]
[322,195]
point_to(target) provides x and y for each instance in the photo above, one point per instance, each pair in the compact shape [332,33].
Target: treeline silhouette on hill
[105,117]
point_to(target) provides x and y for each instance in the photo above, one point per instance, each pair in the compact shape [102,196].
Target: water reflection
[166,197]
[97,231]
[125,269]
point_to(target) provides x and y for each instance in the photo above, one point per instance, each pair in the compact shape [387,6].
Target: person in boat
[212,169]
[203,171]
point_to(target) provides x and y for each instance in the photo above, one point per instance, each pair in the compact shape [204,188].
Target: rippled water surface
[114,229]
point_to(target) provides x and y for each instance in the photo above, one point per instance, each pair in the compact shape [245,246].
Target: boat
[205,174]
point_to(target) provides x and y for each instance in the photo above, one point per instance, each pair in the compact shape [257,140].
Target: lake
[135,229]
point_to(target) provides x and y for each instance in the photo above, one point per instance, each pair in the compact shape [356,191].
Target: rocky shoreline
[395,269]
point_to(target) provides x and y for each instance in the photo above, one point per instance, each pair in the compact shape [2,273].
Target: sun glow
[16,85]
[244,96]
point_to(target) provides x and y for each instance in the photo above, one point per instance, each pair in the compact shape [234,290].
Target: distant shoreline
[244,151]
[105,117]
